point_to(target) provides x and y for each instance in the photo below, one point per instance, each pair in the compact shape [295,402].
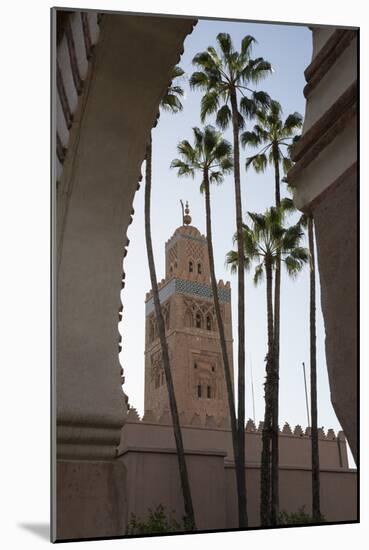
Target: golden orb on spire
[187,218]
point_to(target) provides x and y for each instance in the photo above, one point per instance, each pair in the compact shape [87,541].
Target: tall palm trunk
[313,381]
[240,464]
[265,469]
[275,414]
[223,345]
[187,498]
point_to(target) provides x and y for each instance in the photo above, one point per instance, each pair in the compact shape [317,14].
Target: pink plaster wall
[147,450]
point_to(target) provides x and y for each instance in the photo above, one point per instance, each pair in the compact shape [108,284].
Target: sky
[288,48]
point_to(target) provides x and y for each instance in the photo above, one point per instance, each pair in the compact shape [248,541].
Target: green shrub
[156,522]
[296,518]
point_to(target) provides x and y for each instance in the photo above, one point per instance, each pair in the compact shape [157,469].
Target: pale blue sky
[288,48]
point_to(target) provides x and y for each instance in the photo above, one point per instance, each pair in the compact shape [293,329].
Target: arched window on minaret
[198,320]
[199,268]
[190,266]
[199,390]
[208,392]
[166,314]
[208,322]
[188,319]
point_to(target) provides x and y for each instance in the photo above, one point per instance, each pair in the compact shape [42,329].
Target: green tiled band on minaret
[188,287]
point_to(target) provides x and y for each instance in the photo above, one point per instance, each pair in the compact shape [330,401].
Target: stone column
[130,72]
[325,182]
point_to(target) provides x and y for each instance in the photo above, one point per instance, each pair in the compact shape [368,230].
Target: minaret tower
[191,330]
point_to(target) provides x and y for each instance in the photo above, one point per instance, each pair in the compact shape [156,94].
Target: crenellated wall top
[211,422]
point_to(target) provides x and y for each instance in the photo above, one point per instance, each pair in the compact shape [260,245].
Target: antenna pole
[306,396]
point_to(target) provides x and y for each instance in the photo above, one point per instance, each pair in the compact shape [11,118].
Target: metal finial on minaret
[187,218]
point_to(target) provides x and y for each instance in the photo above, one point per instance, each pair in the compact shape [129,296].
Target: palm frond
[291,146]
[293,122]
[177,90]
[259,274]
[205,61]
[177,72]
[300,253]
[217,63]
[232,260]
[216,177]
[199,138]
[171,102]
[211,138]
[184,169]
[226,165]
[259,162]
[224,117]
[259,220]
[295,261]
[274,218]
[225,43]
[199,80]
[248,107]
[246,46]
[222,149]
[264,134]
[209,104]
[259,69]
[286,164]
[292,238]
[250,243]
[186,151]
[292,266]
[252,139]
[303,220]
[262,100]
[287,205]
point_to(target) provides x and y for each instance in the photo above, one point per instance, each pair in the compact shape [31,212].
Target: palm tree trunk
[187,498]
[265,469]
[240,465]
[313,381]
[223,345]
[275,414]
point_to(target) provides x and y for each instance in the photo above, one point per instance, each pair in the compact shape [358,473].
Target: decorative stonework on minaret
[191,330]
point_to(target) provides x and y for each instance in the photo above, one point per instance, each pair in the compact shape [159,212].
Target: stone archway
[129,73]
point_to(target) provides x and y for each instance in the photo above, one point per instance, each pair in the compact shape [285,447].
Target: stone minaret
[191,329]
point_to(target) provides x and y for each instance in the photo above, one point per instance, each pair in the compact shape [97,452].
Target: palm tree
[315,470]
[273,136]
[171,102]
[265,241]
[224,77]
[307,221]
[211,158]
